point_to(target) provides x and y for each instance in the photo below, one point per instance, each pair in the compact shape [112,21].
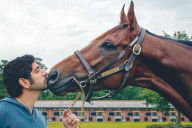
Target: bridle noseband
[93,77]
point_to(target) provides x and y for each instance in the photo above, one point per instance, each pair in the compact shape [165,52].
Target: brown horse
[163,65]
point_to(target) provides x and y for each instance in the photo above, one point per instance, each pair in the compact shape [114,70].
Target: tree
[154,98]
[39,62]
[2,65]
[3,92]
[178,35]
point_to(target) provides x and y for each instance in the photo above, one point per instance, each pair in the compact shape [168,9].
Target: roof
[96,104]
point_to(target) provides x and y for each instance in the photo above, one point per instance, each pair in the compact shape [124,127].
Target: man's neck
[28,98]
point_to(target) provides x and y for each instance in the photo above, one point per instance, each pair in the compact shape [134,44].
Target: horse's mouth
[64,86]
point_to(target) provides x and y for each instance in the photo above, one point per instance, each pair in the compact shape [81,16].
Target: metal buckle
[125,62]
[92,78]
[137,49]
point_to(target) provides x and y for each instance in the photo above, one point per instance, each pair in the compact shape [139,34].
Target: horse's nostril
[53,77]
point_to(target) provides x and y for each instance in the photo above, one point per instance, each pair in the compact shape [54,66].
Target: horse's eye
[108,46]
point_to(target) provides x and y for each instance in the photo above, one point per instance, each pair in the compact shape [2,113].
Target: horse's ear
[132,21]
[123,17]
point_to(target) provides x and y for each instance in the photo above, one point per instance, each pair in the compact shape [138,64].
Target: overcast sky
[54,29]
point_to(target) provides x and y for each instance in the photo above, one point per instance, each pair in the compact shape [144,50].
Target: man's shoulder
[7,104]
[3,103]
[38,112]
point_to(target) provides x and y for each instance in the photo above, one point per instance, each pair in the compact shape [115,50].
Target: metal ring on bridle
[83,84]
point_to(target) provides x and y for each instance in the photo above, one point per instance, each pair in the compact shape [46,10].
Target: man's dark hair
[20,67]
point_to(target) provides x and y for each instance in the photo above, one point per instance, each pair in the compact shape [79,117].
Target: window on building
[99,120]
[128,119]
[146,119]
[172,113]
[136,120]
[99,113]
[93,113]
[164,119]
[56,113]
[166,114]
[136,113]
[111,113]
[75,113]
[154,120]
[148,114]
[118,120]
[154,114]
[90,118]
[79,113]
[109,118]
[117,113]
[44,114]
[130,114]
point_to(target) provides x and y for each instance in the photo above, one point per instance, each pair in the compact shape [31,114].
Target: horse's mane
[186,42]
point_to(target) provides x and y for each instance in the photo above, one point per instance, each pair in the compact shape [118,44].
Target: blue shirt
[14,114]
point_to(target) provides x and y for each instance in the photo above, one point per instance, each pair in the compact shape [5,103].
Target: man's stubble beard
[41,88]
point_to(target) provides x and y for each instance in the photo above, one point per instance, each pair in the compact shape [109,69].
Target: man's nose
[45,73]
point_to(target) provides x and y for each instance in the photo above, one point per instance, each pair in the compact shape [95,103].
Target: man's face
[38,77]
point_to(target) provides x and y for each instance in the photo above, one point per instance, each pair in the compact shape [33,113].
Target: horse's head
[100,52]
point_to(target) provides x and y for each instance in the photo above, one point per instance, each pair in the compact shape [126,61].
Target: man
[24,81]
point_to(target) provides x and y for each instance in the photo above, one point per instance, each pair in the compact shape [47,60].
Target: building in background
[107,110]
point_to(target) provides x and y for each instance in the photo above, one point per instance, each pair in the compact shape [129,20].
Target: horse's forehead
[114,35]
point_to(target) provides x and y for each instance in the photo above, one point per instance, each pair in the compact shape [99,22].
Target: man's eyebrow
[36,68]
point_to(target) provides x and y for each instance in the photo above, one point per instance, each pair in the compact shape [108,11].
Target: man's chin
[44,88]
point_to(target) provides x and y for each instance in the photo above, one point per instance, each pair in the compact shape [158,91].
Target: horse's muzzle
[52,78]
[60,87]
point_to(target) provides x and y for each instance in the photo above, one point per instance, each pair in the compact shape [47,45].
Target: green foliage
[128,93]
[154,98]
[47,95]
[178,35]
[3,92]
[39,62]
[2,65]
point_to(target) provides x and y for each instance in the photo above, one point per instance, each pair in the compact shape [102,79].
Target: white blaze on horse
[129,55]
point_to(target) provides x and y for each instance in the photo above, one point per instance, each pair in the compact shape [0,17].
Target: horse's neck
[167,69]
[168,59]
[174,55]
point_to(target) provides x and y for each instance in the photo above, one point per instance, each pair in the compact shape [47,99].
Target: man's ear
[24,82]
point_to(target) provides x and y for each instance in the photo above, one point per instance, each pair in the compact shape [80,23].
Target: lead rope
[82,94]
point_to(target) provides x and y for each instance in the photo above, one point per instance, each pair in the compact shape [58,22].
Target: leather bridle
[93,77]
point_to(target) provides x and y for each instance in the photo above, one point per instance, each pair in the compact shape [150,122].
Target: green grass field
[112,124]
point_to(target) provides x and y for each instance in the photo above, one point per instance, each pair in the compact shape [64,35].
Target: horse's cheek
[114,80]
